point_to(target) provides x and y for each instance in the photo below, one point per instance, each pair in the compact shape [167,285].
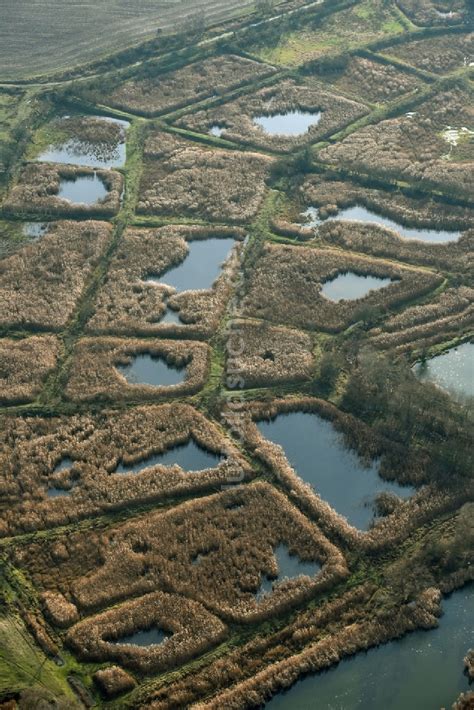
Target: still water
[189,457]
[350,286]
[85,190]
[288,566]
[452,370]
[292,123]
[148,370]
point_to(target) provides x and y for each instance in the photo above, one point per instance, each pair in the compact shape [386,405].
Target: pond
[351,286]
[151,637]
[216,131]
[292,123]
[75,151]
[171,317]
[84,190]
[422,671]
[200,268]
[452,370]
[362,214]
[189,457]
[320,457]
[149,370]
[289,566]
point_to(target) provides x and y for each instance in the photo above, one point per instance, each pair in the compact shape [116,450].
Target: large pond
[292,123]
[189,457]
[362,214]
[320,457]
[290,567]
[200,268]
[452,370]
[85,190]
[151,637]
[421,671]
[148,370]
[75,151]
[350,286]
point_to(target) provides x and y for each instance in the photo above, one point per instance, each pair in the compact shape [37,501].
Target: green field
[43,36]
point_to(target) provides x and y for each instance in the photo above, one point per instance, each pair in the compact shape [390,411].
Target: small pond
[288,566]
[292,123]
[87,153]
[200,268]
[421,671]
[362,214]
[151,637]
[452,370]
[171,317]
[84,190]
[351,286]
[319,456]
[189,456]
[148,370]
[216,131]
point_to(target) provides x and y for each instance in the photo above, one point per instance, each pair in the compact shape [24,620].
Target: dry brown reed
[24,365]
[94,374]
[114,681]
[215,551]
[439,54]
[40,285]
[129,305]
[156,94]
[36,192]
[193,630]
[237,117]
[262,355]
[96,445]
[187,179]
[286,284]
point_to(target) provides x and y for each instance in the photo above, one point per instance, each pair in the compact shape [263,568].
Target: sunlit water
[148,370]
[351,286]
[85,190]
[289,566]
[189,457]
[452,370]
[292,123]
[421,671]
[319,456]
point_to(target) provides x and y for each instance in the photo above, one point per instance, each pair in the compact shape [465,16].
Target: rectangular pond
[291,123]
[84,190]
[146,369]
[320,457]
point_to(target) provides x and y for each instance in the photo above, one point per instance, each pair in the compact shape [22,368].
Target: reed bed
[441,54]
[332,195]
[24,366]
[369,80]
[447,316]
[237,117]
[113,681]
[187,179]
[193,630]
[412,148]
[424,12]
[215,551]
[36,192]
[153,95]
[386,243]
[94,374]
[423,506]
[261,355]
[41,284]
[96,445]
[128,305]
[285,287]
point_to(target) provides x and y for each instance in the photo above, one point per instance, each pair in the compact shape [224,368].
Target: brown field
[24,365]
[381,242]
[158,94]
[182,178]
[94,375]
[96,445]
[447,316]
[128,305]
[260,355]
[285,287]
[41,284]
[36,192]
[193,630]
[412,148]
[236,117]
[439,55]
[369,80]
